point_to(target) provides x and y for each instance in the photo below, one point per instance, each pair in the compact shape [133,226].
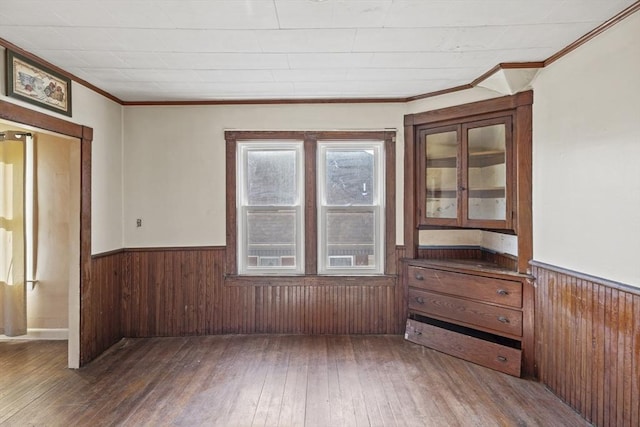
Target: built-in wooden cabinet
[473,310]
[469,166]
[466,174]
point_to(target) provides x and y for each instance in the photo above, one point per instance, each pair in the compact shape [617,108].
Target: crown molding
[267,101]
[635,7]
[593,33]
[10,46]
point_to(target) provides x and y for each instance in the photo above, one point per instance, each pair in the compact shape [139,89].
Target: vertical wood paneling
[588,344]
[453,252]
[635,363]
[102,323]
[173,292]
[314,309]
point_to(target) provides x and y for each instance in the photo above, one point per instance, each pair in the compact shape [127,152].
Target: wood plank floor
[260,380]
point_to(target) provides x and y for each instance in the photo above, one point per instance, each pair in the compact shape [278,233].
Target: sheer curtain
[13,317]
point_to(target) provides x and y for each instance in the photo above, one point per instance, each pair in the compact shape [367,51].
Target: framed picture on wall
[32,82]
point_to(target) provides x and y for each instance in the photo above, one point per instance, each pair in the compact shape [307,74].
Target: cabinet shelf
[476,160]
[480,193]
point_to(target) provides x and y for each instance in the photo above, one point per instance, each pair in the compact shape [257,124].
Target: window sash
[366,261]
[311,139]
[261,256]
[271,257]
[367,256]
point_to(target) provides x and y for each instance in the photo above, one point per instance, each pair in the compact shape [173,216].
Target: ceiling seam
[535,64]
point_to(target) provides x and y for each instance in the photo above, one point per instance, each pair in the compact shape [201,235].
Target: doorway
[51,228]
[79,343]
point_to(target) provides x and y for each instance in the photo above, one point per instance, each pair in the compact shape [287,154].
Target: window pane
[271,239]
[349,177]
[351,238]
[271,177]
[487,172]
[441,175]
[270,220]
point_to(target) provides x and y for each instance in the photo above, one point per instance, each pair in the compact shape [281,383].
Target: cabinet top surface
[471,266]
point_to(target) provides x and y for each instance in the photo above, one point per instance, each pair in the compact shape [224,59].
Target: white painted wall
[451,99]
[105,117]
[57,246]
[174,162]
[174,159]
[586,143]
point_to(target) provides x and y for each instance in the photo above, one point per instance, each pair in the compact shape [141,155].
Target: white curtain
[13,304]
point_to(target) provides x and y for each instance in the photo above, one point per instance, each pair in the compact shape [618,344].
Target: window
[350,207]
[310,203]
[270,195]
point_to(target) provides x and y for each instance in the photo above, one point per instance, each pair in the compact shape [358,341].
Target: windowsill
[311,280]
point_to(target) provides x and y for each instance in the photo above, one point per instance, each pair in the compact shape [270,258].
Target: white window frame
[243,207]
[377,208]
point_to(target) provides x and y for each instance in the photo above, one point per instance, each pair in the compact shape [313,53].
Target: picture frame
[37,84]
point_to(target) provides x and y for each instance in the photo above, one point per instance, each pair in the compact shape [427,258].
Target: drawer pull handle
[419,276]
[503,319]
[501,359]
[420,300]
[502,292]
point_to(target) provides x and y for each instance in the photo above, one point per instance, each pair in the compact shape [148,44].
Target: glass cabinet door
[464,174]
[440,180]
[487,171]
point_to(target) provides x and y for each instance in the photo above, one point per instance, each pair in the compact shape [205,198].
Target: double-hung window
[350,207]
[270,196]
[310,203]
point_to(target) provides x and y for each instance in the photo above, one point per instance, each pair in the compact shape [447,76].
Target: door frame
[78,337]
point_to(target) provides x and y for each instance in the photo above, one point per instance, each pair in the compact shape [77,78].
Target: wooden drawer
[470,313]
[488,289]
[491,355]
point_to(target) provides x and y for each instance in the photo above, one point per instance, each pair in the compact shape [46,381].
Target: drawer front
[495,356]
[499,320]
[506,292]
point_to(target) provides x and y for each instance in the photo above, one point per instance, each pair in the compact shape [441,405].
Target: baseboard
[41,334]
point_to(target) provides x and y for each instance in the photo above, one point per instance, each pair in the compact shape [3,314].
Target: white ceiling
[198,50]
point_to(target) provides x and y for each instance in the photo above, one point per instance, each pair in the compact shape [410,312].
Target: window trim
[310,139]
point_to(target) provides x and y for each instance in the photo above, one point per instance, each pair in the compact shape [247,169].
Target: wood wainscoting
[100,318]
[183,291]
[172,291]
[588,344]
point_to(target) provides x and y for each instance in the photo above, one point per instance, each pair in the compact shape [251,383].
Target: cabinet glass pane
[487,172]
[441,175]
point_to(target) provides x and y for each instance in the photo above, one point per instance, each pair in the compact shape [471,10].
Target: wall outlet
[139,222]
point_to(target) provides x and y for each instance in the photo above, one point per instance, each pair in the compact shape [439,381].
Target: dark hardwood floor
[266,380]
